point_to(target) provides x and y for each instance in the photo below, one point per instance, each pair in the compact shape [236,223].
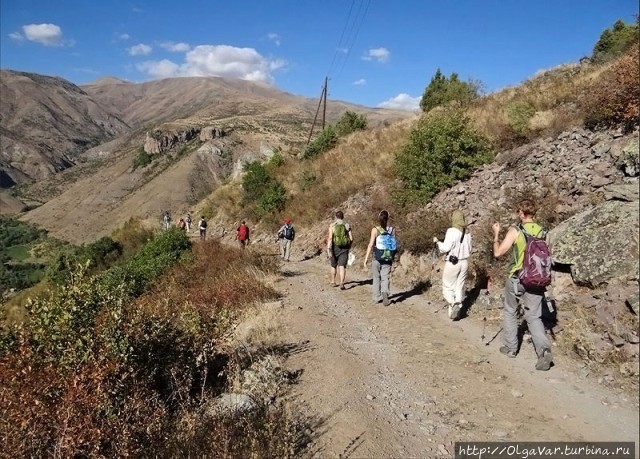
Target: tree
[255,181]
[442,149]
[350,122]
[615,41]
[442,90]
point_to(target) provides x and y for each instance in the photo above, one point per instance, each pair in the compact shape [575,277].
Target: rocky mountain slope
[45,124]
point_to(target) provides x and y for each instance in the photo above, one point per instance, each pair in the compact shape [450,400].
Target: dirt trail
[404,381]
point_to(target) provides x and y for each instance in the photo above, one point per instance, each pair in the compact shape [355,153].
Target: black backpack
[289,232]
[203,224]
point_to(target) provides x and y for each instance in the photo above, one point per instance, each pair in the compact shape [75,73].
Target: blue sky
[375,52]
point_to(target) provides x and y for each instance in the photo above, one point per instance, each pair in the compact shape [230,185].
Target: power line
[340,45]
[355,36]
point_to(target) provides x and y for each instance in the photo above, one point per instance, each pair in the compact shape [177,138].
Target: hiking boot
[544,361]
[342,287]
[385,299]
[508,352]
[455,311]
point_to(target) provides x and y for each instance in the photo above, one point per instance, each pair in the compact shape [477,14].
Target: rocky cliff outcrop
[159,141]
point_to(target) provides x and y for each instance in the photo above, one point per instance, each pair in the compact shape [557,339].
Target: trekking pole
[494,337]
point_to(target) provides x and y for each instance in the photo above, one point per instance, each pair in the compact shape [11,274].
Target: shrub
[14,232]
[255,181]
[142,159]
[324,142]
[96,373]
[442,150]
[520,112]
[131,236]
[273,199]
[442,90]
[615,41]
[614,98]
[350,122]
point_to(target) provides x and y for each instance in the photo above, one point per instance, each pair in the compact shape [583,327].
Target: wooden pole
[324,110]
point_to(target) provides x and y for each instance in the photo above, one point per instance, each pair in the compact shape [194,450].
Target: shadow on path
[417,289]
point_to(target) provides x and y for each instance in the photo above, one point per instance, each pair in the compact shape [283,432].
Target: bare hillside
[45,123]
[212,98]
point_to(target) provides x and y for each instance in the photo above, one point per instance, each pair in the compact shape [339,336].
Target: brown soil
[405,381]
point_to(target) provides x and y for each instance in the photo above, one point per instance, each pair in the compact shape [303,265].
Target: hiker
[166,218]
[202,226]
[286,235]
[188,222]
[383,244]
[242,234]
[338,245]
[182,224]
[457,246]
[516,241]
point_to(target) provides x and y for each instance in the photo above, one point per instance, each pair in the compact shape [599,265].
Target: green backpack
[341,236]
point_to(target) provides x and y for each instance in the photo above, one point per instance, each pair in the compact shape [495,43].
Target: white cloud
[378,54]
[342,50]
[219,60]
[175,47]
[123,36]
[140,50]
[402,101]
[17,36]
[159,69]
[274,37]
[45,34]
[360,82]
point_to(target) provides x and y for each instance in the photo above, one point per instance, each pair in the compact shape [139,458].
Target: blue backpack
[386,245]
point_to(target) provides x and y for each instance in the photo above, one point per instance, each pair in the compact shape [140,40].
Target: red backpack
[243,233]
[536,265]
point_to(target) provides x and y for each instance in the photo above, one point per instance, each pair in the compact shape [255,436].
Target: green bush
[255,181]
[273,199]
[149,262]
[615,41]
[324,142]
[97,256]
[142,159]
[442,90]
[350,122]
[520,112]
[442,150]
[14,232]
[276,160]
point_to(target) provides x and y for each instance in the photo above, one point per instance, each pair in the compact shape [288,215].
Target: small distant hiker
[286,235]
[182,224]
[338,245]
[457,246]
[384,246]
[188,222]
[529,274]
[242,235]
[166,220]
[202,226]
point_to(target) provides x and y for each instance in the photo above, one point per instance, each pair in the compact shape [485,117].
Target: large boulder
[600,244]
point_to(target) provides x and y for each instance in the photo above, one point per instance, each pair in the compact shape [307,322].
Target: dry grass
[358,161]
[553,94]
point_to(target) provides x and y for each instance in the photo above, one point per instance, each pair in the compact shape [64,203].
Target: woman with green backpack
[383,244]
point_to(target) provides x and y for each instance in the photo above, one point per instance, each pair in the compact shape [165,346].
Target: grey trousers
[381,279]
[285,248]
[532,306]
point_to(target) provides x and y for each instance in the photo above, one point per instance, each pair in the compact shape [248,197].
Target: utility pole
[324,108]
[323,97]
